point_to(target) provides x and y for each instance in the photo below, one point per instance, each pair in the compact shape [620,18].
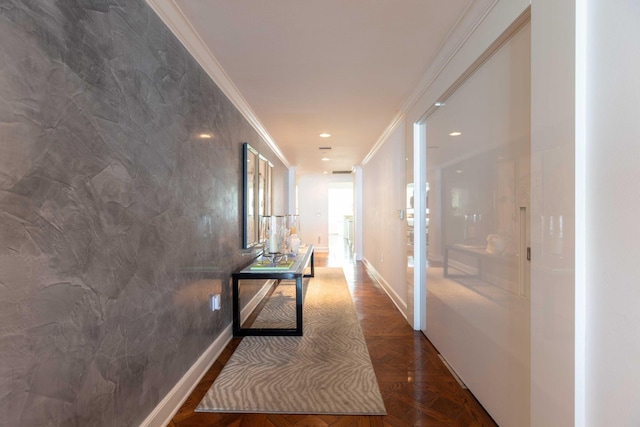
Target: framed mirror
[250,160]
[256,193]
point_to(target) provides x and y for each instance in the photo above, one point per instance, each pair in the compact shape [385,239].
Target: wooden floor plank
[417,388]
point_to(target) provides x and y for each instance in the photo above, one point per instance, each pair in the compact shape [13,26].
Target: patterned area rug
[326,371]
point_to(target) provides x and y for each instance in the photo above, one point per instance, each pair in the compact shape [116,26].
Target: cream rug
[326,371]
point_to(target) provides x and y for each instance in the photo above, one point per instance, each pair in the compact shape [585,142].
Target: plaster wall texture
[109,205]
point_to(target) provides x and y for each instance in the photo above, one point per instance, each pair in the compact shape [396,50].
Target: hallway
[417,388]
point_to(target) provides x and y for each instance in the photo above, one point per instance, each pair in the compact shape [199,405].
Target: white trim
[471,18]
[397,121]
[419,320]
[359,213]
[167,408]
[580,190]
[395,298]
[174,19]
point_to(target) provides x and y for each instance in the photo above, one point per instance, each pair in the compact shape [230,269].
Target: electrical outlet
[214,302]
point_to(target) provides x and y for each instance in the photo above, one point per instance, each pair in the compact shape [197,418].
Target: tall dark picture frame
[257,193]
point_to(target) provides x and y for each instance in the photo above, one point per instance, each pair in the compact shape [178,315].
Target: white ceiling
[309,66]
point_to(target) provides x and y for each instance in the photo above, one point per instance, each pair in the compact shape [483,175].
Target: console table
[295,271]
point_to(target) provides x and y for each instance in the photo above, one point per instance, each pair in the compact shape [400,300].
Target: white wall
[553,285]
[280,191]
[613,203]
[313,208]
[384,232]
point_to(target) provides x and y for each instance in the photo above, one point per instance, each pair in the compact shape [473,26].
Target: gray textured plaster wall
[107,198]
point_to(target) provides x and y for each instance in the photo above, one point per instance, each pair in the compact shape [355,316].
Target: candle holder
[292,224]
[272,233]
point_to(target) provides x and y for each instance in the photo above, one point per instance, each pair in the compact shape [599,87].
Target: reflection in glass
[273,233]
[292,230]
[477,303]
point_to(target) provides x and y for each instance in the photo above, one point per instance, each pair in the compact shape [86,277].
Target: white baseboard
[388,289]
[167,408]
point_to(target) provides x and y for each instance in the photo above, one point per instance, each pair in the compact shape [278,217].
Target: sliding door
[477,276]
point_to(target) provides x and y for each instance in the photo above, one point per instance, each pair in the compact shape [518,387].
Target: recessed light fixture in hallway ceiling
[303,65]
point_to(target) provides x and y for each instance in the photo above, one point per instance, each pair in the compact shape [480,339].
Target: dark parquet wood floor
[417,388]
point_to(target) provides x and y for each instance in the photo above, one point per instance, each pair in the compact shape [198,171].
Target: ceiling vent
[341,172]
[324,148]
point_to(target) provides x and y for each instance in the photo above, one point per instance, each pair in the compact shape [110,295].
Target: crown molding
[169,12]
[469,20]
[172,16]
[395,123]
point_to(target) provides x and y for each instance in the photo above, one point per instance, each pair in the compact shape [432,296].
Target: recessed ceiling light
[456,133]
[325,172]
[325,135]
[205,136]
[325,159]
